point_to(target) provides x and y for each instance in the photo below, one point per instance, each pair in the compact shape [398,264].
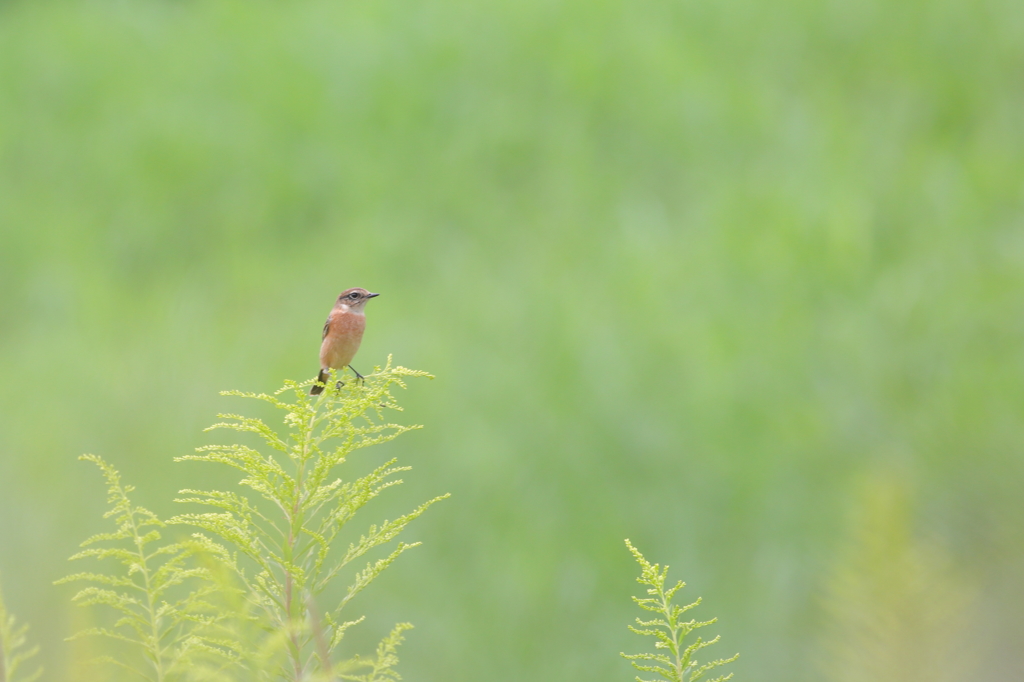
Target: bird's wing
[327,328]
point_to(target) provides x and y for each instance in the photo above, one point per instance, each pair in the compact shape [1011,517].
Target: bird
[342,333]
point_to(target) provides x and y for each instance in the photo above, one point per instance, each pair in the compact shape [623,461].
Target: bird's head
[354,299]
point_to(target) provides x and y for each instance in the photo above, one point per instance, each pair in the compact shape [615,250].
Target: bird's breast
[344,333]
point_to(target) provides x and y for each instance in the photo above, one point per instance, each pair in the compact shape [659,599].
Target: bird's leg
[358,375]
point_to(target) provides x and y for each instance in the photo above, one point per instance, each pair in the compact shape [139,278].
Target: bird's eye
[354,295]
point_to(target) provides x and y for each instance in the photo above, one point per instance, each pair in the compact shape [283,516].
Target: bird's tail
[318,388]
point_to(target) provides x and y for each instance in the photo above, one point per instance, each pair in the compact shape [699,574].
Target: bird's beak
[372,295]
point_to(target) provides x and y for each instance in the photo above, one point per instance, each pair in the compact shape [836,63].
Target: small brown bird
[342,333]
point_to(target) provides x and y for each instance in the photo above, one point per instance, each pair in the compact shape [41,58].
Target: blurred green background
[709,275]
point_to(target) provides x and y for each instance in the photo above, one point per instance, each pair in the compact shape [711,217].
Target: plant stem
[3,655]
[144,567]
[675,634]
[155,651]
[294,526]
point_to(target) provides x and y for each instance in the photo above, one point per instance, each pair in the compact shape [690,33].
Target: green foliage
[245,606]
[897,608]
[678,664]
[381,666]
[169,626]
[722,253]
[282,541]
[13,650]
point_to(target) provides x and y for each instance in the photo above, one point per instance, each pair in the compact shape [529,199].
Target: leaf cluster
[14,652]
[239,598]
[280,539]
[674,659]
[161,597]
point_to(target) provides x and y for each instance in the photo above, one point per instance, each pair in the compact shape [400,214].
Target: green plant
[245,605]
[13,651]
[283,543]
[168,625]
[897,606]
[678,664]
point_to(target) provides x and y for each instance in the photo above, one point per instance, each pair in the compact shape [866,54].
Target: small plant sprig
[169,625]
[284,541]
[382,667]
[678,664]
[13,651]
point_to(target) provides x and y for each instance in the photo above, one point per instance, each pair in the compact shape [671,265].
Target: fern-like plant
[280,544]
[245,606]
[13,650]
[159,595]
[674,661]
